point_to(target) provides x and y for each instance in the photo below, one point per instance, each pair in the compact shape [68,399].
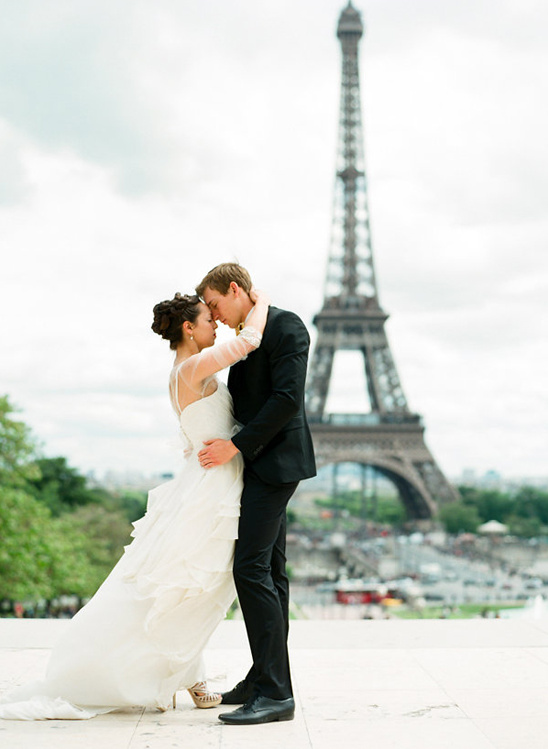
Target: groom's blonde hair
[221,276]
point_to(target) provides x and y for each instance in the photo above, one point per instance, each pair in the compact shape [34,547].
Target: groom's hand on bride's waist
[216,453]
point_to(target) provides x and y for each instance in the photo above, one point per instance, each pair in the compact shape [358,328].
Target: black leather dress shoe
[239,695]
[260,710]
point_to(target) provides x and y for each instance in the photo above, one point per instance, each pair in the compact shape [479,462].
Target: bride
[140,638]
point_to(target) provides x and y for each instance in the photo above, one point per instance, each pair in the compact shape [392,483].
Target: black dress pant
[262,583]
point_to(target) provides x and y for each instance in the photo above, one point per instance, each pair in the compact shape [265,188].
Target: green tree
[458,517]
[96,540]
[43,556]
[23,550]
[17,449]
[61,487]
[490,504]
[25,556]
[525,527]
[130,502]
[532,503]
[383,510]
[390,511]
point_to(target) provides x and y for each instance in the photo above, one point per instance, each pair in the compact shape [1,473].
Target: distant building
[468,477]
[131,480]
[491,480]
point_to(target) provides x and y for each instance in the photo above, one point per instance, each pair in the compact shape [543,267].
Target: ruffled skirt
[142,635]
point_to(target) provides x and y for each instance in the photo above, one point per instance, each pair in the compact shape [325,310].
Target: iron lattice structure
[390,438]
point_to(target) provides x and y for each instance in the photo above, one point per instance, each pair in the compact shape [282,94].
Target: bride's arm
[213,359]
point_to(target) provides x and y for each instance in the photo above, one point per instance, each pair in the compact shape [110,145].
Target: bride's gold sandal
[202,697]
[164,709]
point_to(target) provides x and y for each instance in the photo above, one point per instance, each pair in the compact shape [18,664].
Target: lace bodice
[194,378]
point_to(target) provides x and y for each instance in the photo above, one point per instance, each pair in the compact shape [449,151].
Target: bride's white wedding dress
[141,637]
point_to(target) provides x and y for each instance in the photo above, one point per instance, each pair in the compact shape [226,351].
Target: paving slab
[478,684]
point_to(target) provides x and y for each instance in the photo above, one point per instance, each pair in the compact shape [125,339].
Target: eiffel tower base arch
[399,452]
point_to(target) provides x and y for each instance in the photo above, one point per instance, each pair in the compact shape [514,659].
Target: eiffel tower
[390,438]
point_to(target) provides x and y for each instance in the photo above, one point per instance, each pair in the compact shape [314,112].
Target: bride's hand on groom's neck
[258,296]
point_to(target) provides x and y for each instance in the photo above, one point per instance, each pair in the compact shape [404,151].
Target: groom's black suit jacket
[268,393]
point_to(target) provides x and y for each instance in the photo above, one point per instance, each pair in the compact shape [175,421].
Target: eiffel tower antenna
[389,438]
[350,271]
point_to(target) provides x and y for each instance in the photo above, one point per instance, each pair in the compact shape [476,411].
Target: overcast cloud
[142,143]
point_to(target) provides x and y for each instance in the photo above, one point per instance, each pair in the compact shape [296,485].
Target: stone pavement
[475,684]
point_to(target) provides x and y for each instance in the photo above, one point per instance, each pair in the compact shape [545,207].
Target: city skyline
[141,145]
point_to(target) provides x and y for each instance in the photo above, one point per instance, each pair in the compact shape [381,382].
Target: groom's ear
[233,286]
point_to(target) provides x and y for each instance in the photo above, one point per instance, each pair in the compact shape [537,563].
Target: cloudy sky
[143,142]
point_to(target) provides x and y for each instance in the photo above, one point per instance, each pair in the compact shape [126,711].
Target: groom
[268,393]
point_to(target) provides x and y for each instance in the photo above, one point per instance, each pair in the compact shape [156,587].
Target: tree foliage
[524,511]
[16,449]
[490,504]
[25,556]
[459,518]
[383,510]
[61,487]
[102,535]
[57,535]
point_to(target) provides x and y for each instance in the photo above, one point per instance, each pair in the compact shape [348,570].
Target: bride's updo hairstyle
[170,315]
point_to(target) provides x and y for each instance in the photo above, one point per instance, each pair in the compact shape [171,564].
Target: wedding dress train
[141,636]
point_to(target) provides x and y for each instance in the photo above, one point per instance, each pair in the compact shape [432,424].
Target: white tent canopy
[493,526]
